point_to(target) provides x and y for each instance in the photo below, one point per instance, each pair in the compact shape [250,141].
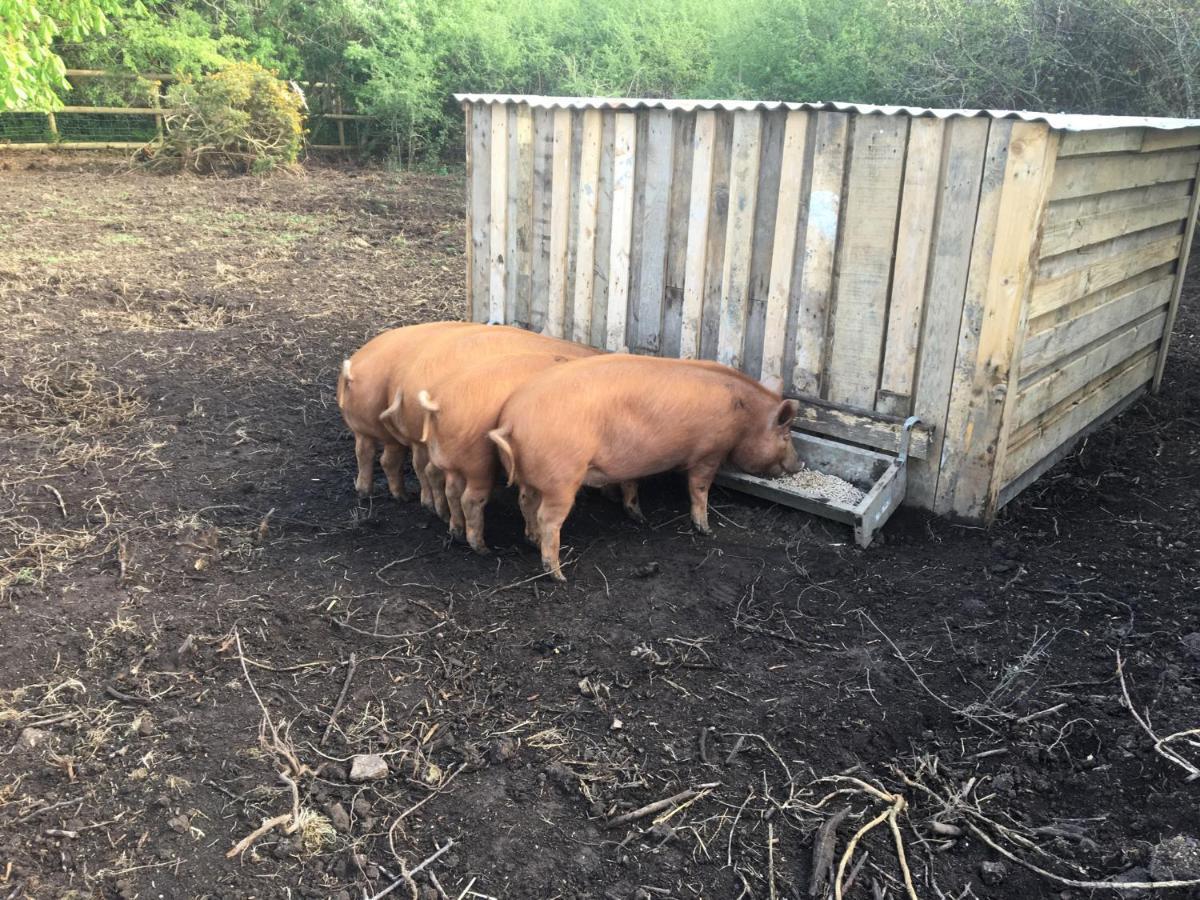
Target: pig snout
[791,461]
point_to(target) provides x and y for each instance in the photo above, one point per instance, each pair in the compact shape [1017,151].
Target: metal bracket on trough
[882,477]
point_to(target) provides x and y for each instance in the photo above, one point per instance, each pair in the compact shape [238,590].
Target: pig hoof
[481,549]
[704,530]
[401,495]
[635,513]
[458,534]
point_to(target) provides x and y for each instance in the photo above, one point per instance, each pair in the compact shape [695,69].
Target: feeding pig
[619,418]
[405,418]
[366,385]
[461,409]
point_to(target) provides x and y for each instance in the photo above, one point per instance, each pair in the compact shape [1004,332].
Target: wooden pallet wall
[1110,271]
[987,275]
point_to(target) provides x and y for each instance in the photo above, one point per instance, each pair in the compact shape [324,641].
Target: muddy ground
[186,575]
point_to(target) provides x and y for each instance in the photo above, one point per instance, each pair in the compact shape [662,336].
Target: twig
[244,844]
[407,876]
[341,700]
[771,860]
[1042,714]
[61,506]
[1084,885]
[1160,744]
[704,757]
[659,805]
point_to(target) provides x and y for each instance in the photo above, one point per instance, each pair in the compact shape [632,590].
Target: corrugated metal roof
[1057,121]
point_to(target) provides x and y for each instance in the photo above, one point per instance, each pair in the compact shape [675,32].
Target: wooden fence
[882,264]
[158,81]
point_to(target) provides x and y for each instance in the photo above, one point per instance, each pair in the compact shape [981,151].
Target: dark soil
[175,481]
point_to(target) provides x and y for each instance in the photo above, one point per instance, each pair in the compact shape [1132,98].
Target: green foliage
[242,117]
[400,60]
[31,73]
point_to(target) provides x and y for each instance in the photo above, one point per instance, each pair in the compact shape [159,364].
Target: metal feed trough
[882,477]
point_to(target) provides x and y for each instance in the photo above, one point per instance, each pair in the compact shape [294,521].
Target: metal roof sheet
[1057,121]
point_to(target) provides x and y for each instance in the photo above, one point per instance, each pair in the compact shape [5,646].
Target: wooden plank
[1054,267]
[739,234]
[1076,372]
[1077,413]
[1081,175]
[121,110]
[1065,211]
[604,213]
[1163,139]
[543,195]
[520,215]
[994,313]
[774,127]
[699,207]
[560,211]
[1016,485]
[1051,293]
[1114,140]
[954,438]
[1071,234]
[498,214]
[677,219]
[714,254]
[1043,348]
[820,242]
[865,259]
[1180,274]
[573,221]
[647,309]
[1085,305]
[965,150]
[861,426]
[585,253]
[624,148]
[914,235]
[481,169]
[783,245]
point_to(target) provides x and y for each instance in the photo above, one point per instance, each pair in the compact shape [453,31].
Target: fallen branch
[1160,744]
[407,876]
[244,844]
[341,700]
[822,856]
[659,805]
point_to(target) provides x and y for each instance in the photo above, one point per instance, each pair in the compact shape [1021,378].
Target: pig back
[633,415]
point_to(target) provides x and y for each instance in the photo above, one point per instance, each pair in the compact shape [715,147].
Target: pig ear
[786,413]
[773,383]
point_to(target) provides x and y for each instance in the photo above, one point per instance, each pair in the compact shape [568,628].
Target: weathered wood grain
[624,146]
[820,242]
[783,244]
[914,234]
[739,234]
[560,211]
[585,252]
[700,201]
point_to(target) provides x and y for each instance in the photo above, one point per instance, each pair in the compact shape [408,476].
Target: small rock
[341,895]
[1003,783]
[560,775]
[617,725]
[362,806]
[179,824]
[646,570]
[339,817]
[502,750]
[1176,859]
[992,873]
[368,767]
[32,738]
[145,726]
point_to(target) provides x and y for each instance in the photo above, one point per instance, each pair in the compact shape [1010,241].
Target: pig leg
[699,481]
[455,485]
[393,467]
[529,499]
[629,499]
[420,459]
[551,514]
[364,452]
[437,484]
[474,499]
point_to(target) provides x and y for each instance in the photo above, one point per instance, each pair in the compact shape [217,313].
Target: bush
[242,118]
